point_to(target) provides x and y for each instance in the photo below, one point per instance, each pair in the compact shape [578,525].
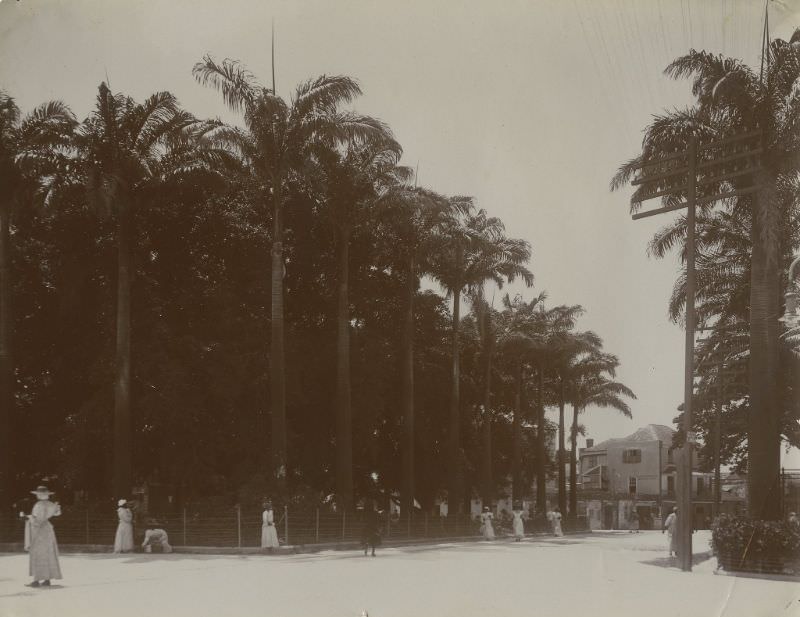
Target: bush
[755,545]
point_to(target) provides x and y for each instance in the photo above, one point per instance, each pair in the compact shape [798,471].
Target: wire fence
[240,527]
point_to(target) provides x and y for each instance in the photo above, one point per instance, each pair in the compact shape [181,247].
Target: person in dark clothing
[370,534]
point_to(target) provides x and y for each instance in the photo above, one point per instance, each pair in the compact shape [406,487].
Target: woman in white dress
[486,524]
[269,535]
[557,523]
[42,544]
[670,525]
[123,542]
[517,525]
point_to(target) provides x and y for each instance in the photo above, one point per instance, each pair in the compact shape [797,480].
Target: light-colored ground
[618,575]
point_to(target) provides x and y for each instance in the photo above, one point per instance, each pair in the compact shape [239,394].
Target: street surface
[611,573]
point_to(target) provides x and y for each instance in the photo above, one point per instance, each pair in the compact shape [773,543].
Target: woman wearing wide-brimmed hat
[123,542]
[269,535]
[487,529]
[43,548]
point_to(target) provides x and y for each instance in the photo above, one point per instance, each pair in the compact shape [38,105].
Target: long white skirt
[519,529]
[123,542]
[43,553]
[269,536]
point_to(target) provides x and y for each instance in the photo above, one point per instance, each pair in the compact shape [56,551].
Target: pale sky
[530,108]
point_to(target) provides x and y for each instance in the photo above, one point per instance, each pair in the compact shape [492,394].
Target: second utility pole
[669,176]
[685,471]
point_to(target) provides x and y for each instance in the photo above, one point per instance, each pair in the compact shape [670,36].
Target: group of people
[554,517]
[40,537]
[123,541]
[518,524]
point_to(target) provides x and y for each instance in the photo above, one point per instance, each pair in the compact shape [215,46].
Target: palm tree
[732,98]
[592,385]
[567,353]
[541,334]
[413,216]
[127,152]
[519,338]
[474,250]
[488,340]
[356,178]
[279,141]
[30,150]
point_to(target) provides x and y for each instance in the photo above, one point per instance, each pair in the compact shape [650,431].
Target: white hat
[122,502]
[42,490]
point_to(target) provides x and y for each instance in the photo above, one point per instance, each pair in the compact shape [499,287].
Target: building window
[669,456]
[670,484]
[632,456]
[632,486]
[699,486]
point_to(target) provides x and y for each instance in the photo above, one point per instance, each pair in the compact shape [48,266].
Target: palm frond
[234,81]
[324,95]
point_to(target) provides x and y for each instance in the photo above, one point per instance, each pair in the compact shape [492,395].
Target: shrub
[747,544]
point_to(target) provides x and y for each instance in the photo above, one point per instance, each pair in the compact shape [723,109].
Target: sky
[530,108]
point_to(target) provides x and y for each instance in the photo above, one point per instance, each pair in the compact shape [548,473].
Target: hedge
[743,544]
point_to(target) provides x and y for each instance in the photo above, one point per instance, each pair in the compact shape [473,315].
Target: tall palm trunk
[344,417]
[541,467]
[122,386]
[516,439]
[573,465]
[454,496]
[6,360]
[488,482]
[407,391]
[277,382]
[764,437]
[562,479]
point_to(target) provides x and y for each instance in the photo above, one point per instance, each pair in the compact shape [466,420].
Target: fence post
[317,534]
[239,524]
[184,526]
[87,525]
[286,524]
[344,517]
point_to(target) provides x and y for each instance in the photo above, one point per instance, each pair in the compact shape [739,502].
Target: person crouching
[156,536]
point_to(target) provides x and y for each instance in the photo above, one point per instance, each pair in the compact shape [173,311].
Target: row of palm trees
[569,365]
[742,246]
[126,152]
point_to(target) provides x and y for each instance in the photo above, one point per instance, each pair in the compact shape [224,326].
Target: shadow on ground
[672,562]
[31,591]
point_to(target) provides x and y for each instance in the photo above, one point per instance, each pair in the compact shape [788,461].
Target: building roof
[651,432]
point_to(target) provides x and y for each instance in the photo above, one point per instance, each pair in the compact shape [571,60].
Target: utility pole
[718,442]
[716,163]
